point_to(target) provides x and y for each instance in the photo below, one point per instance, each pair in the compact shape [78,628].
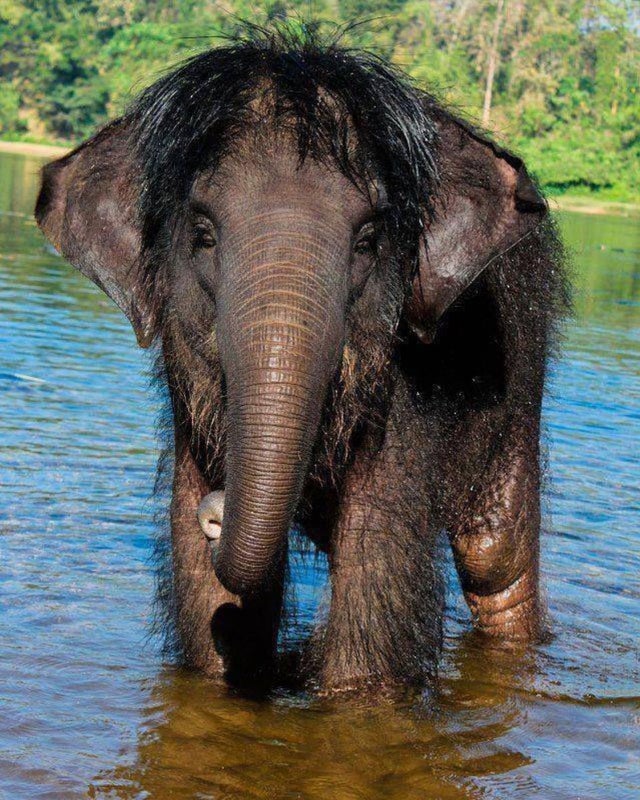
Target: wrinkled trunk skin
[281,309]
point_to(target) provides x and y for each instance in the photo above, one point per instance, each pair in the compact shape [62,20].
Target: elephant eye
[367,241]
[203,237]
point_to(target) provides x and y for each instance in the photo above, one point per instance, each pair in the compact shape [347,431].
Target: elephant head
[275,218]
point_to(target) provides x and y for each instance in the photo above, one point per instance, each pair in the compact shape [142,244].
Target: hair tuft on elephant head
[353,293]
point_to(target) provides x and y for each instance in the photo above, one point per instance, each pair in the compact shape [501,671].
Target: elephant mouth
[210,513]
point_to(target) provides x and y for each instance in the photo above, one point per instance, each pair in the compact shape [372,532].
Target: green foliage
[9,110]
[565,91]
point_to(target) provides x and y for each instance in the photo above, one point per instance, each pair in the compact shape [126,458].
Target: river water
[90,708]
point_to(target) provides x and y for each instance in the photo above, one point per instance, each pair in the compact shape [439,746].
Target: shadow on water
[87,708]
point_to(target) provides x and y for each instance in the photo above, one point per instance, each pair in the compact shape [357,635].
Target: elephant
[352,294]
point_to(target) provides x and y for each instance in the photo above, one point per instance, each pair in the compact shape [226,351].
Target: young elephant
[353,294]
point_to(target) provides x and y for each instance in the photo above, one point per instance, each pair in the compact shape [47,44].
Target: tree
[556,78]
[491,63]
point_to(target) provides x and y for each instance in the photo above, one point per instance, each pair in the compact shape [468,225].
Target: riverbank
[592,205]
[31,149]
[583,205]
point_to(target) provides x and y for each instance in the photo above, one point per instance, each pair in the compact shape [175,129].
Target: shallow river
[88,705]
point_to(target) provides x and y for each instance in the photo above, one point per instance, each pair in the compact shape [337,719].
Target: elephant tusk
[210,512]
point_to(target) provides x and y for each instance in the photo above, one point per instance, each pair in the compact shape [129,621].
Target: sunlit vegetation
[557,79]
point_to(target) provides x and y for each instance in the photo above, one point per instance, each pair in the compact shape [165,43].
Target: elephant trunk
[280,334]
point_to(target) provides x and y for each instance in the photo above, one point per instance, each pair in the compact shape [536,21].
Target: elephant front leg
[220,634]
[384,622]
[495,542]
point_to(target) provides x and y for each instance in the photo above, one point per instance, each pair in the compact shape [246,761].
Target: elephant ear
[87,208]
[486,204]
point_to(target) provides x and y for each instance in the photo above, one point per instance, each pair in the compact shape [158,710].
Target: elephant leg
[220,634]
[495,541]
[384,622]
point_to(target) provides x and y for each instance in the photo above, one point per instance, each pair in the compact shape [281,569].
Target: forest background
[558,80]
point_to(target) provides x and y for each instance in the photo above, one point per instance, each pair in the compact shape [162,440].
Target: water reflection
[300,747]
[483,738]
[86,704]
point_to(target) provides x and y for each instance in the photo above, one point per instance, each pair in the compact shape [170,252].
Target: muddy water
[88,706]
